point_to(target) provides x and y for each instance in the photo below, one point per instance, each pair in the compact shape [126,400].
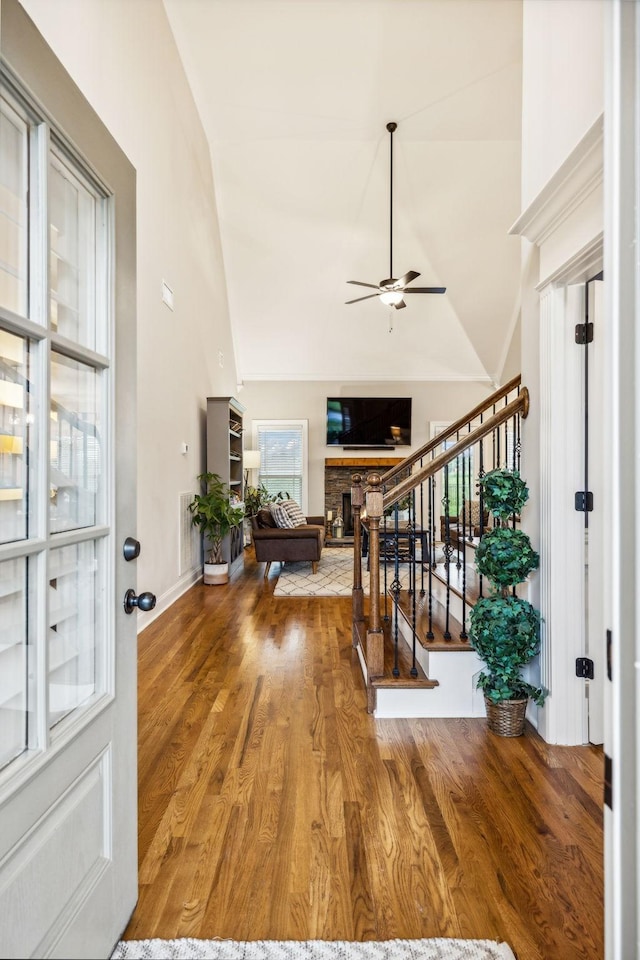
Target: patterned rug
[187,949]
[334,577]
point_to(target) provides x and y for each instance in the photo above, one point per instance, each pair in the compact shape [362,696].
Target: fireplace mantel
[362,461]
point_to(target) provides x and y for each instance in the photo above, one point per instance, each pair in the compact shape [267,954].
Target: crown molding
[578,176]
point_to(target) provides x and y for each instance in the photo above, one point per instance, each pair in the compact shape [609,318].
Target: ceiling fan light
[391,297]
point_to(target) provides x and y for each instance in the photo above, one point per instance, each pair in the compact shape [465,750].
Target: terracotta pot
[216,573]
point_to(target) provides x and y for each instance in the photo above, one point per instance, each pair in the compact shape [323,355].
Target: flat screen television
[369,421]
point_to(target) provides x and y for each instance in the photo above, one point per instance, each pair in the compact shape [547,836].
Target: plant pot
[506,719]
[215,573]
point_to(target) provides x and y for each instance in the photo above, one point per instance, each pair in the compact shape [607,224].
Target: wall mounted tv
[369,421]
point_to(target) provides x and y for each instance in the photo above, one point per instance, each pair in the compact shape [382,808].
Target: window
[283,457]
[461,480]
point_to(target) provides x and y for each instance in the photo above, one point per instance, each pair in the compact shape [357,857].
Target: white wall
[562,221]
[562,90]
[122,55]
[443,401]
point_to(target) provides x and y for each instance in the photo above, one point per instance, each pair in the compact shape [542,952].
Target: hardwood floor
[271,805]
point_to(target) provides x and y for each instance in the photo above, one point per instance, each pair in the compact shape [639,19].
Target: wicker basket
[507,717]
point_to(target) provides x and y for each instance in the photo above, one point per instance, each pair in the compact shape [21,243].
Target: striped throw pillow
[281,516]
[295,512]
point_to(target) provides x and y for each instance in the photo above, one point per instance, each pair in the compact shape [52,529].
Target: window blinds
[281,459]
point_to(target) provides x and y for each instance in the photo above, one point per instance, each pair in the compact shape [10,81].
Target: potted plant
[504,628]
[216,516]
[255,498]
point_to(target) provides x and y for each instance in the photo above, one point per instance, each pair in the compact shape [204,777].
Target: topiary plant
[506,556]
[505,629]
[506,634]
[504,492]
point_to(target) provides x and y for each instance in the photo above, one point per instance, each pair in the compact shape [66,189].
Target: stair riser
[455,696]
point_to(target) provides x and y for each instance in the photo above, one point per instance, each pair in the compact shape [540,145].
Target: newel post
[357,500]
[375,640]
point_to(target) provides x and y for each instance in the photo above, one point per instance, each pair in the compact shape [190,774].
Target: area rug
[334,576]
[188,949]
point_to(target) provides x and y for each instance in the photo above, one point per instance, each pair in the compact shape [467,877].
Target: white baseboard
[164,601]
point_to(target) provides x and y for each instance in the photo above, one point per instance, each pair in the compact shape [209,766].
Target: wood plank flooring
[271,805]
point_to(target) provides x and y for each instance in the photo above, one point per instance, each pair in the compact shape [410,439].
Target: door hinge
[584,333]
[608,781]
[584,668]
[584,501]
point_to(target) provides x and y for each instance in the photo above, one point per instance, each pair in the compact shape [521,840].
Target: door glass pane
[72,255]
[13,210]
[75,444]
[13,659]
[73,630]
[14,416]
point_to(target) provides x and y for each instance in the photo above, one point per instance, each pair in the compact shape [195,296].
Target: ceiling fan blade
[359,283]
[368,297]
[400,305]
[425,290]
[408,277]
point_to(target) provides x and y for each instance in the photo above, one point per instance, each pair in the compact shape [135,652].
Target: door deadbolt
[131,548]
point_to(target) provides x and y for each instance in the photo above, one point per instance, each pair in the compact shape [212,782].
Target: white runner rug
[188,949]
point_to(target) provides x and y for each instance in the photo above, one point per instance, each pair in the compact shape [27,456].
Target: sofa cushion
[281,516]
[295,512]
[264,519]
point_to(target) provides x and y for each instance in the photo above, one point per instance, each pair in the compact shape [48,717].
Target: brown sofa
[283,544]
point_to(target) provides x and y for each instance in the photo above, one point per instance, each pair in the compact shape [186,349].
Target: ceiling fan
[392,291]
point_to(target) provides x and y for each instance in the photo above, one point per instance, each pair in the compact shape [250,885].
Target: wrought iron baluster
[481,498]
[463,632]
[432,554]
[447,550]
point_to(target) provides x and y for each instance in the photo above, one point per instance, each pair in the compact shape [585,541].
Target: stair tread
[438,623]
[405,679]
[458,579]
[387,680]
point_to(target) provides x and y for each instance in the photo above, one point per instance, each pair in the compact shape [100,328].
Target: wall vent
[189,538]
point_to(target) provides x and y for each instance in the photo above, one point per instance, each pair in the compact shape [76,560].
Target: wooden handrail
[452,429]
[519,405]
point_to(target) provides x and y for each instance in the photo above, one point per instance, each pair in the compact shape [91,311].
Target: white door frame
[622,272]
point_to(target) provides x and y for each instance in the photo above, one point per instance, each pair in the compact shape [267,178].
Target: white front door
[68,801]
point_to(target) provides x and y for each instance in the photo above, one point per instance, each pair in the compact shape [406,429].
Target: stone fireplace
[337,484]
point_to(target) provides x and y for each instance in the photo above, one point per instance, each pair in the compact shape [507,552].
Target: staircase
[410,633]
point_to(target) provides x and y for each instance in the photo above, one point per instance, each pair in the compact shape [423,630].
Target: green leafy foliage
[504,492]
[506,556]
[506,635]
[215,515]
[255,498]
[503,629]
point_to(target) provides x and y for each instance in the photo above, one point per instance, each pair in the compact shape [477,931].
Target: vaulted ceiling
[294,96]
